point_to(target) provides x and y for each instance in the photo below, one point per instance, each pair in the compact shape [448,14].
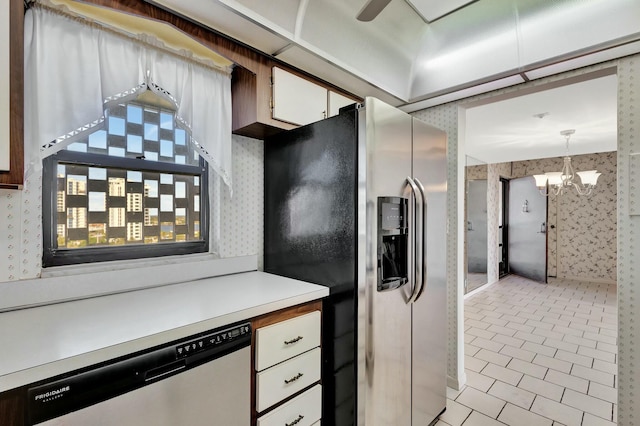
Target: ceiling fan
[372,9]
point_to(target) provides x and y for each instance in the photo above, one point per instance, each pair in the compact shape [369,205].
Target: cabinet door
[4,86]
[296,100]
[337,101]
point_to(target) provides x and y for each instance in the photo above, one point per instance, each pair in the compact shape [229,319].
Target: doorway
[503,228]
[527,238]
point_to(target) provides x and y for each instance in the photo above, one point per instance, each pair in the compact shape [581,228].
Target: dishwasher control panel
[218,338]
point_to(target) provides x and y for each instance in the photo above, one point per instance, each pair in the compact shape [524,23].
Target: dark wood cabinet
[13,178]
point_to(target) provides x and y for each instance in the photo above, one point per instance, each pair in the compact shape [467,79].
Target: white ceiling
[420,53]
[511,130]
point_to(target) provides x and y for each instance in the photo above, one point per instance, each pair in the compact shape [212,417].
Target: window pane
[153,156]
[166,120]
[134,114]
[97,233]
[116,152]
[166,203]
[181,216]
[181,190]
[76,217]
[134,202]
[166,148]
[61,235]
[116,126]
[96,173]
[150,217]
[181,137]
[116,187]
[166,231]
[134,143]
[133,176]
[98,139]
[134,231]
[151,188]
[116,217]
[166,179]
[61,201]
[97,202]
[76,185]
[77,146]
[151,131]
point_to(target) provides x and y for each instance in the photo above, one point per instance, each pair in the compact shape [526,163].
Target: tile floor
[538,354]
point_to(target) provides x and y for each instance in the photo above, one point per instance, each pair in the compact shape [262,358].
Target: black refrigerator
[357,202]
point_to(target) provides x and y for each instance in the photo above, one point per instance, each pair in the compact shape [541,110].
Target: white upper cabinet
[4,86]
[300,101]
[296,100]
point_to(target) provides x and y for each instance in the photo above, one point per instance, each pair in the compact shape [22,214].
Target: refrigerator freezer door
[384,318]
[429,358]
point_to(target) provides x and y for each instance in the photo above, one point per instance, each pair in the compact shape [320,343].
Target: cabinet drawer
[278,342]
[283,380]
[303,410]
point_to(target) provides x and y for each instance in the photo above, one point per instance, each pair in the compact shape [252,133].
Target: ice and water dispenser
[393,242]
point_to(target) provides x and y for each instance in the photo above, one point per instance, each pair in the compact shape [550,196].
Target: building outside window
[133,188]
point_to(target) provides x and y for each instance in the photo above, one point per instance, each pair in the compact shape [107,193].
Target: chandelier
[559,181]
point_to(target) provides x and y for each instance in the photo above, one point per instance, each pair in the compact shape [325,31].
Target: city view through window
[107,206]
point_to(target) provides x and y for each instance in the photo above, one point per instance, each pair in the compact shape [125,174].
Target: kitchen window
[131,133]
[134,187]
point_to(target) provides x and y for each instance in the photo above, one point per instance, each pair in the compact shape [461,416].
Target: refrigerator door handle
[422,259]
[416,249]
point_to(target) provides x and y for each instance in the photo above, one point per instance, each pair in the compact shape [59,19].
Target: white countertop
[41,342]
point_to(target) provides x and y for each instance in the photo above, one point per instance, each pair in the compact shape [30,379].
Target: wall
[240,216]
[494,172]
[450,118]
[581,231]
[583,243]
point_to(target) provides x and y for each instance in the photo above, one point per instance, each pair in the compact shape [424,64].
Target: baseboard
[479,289]
[587,280]
[457,383]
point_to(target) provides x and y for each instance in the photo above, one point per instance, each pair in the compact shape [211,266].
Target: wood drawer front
[303,410]
[278,342]
[299,372]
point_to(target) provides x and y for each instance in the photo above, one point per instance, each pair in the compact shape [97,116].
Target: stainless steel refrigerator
[357,202]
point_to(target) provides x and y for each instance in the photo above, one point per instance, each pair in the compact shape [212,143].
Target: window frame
[54,256]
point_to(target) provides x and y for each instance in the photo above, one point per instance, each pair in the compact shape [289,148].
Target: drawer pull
[294,378]
[296,421]
[289,342]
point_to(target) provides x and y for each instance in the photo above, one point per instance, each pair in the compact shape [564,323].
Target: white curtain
[75,69]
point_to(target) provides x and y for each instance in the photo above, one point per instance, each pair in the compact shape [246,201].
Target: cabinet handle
[296,421]
[294,378]
[289,342]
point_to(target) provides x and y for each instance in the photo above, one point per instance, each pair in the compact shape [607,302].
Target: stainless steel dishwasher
[199,380]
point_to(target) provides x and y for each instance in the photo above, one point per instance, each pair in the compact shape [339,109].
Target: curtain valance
[74,70]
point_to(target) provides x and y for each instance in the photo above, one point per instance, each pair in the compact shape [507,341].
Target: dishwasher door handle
[159,372]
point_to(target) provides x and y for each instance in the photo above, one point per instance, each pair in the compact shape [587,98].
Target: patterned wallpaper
[584,239]
[476,172]
[445,117]
[628,247]
[242,214]
[239,218]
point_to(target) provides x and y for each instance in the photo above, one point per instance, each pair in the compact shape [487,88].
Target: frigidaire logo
[52,394]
